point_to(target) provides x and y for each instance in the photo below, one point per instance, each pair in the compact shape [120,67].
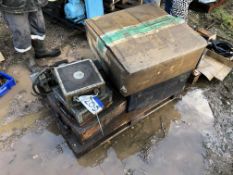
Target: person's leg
[180,8]
[19,27]
[37,27]
[168,6]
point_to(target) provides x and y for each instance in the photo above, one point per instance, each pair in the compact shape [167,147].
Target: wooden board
[226,61]
[213,65]
[1,57]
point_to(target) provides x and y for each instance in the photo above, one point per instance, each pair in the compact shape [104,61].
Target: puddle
[169,142]
[19,101]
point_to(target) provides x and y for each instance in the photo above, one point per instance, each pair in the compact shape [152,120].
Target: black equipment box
[158,92]
[79,112]
[79,78]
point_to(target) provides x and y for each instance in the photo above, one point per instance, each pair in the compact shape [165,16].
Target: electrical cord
[37,89]
[35,83]
[222,47]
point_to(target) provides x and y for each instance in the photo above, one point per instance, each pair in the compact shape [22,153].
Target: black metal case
[78,78]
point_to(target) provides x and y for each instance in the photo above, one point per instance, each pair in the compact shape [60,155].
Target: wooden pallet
[118,124]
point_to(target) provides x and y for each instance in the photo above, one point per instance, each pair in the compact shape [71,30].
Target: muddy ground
[193,135]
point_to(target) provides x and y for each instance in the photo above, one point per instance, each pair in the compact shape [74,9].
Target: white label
[92,103]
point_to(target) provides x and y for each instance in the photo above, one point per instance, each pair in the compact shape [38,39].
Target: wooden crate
[138,61]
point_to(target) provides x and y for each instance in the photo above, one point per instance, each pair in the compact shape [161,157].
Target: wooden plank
[211,67]
[1,57]
[206,34]
[220,58]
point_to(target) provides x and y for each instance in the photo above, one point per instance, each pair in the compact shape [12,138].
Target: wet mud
[170,141]
[20,101]
[219,145]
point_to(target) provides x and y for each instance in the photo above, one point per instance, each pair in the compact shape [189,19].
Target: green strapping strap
[136,30]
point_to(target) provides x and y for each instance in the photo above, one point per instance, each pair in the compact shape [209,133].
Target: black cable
[35,83]
[37,89]
[222,47]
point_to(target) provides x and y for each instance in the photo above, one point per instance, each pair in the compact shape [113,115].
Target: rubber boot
[42,52]
[30,62]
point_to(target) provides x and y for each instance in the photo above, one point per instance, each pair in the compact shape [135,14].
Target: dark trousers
[25,27]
